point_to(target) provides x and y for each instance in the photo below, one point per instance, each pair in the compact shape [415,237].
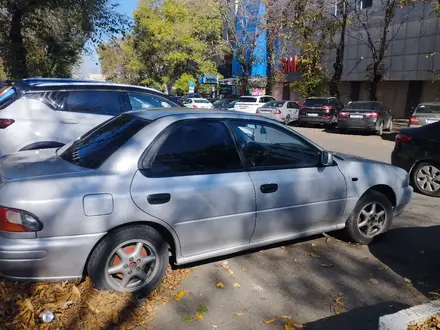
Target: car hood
[34,163]
[370,171]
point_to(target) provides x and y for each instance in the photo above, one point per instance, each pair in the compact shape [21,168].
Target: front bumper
[403,197]
[45,259]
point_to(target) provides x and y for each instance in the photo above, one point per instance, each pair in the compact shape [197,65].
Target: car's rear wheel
[426,179]
[379,130]
[371,216]
[132,259]
[287,120]
[390,126]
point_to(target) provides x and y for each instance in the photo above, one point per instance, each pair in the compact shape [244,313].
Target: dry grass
[432,323]
[79,305]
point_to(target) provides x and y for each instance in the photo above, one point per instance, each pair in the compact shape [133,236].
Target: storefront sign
[289,64]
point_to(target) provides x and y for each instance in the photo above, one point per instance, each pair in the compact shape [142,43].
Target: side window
[268,146]
[52,99]
[94,102]
[263,100]
[292,105]
[145,101]
[197,148]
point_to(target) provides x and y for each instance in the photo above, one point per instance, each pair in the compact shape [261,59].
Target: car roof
[320,97]
[156,113]
[430,103]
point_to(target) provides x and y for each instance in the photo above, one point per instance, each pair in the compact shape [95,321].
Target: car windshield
[201,101]
[428,108]
[363,105]
[273,104]
[96,146]
[315,102]
[247,99]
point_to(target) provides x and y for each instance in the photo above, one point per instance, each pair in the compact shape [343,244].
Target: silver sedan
[282,111]
[147,187]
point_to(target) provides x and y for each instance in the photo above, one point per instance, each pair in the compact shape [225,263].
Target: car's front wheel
[132,259]
[371,216]
[426,179]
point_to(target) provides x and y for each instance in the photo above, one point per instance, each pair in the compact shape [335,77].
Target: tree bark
[17,53]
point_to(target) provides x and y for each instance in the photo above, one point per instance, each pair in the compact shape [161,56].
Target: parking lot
[304,279]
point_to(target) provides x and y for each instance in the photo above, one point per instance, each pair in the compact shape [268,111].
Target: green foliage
[181,85]
[46,38]
[176,37]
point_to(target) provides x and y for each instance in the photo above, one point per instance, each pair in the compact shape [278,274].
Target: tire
[390,126]
[379,131]
[357,217]
[287,120]
[425,176]
[104,258]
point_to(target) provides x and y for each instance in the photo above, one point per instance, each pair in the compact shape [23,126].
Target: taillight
[403,138]
[12,220]
[326,107]
[371,115]
[6,123]
[195,106]
[327,117]
[414,121]
[277,112]
[257,111]
[303,107]
[344,115]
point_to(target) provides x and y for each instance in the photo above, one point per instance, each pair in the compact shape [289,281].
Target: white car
[250,104]
[197,103]
[282,111]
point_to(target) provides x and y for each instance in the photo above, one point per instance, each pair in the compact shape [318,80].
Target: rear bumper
[403,197]
[358,125]
[401,160]
[314,120]
[45,259]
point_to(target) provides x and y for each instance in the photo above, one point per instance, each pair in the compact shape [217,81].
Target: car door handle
[69,121]
[269,188]
[158,198]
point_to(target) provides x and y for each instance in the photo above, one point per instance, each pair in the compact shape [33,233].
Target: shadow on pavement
[413,253]
[363,318]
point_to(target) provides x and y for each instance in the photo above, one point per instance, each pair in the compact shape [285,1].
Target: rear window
[201,101]
[7,94]
[428,108]
[96,146]
[316,102]
[247,99]
[274,104]
[364,105]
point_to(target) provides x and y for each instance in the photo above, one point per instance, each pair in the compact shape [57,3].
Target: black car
[417,150]
[366,115]
[320,110]
[224,104]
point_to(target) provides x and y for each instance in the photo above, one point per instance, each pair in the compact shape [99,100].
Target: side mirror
[326,158]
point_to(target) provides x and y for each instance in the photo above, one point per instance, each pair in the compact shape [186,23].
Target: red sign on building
[289,64]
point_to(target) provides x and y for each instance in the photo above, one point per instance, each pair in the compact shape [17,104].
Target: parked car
[197,103]
[417,150]
[224,104]
[424,114]
[282,111]
[320,110]
[250,104]
[47,113]
[366,115]
[115,203]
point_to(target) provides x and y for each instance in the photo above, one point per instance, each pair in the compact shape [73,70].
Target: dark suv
[320,110]
[48,113]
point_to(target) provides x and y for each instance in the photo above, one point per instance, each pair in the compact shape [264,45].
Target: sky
[90,63]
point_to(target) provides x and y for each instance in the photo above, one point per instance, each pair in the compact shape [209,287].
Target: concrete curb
[413,315]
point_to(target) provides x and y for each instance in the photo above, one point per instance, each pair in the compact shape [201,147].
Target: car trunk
[358,114]
[317,111]
[248,104]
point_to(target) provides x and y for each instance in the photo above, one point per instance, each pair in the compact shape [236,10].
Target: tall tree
[173,37]
[46,37]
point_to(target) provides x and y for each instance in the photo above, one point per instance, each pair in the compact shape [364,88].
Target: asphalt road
[399,270]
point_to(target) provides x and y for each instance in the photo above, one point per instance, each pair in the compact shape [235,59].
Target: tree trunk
[374,84]
[269,65]
[17,53]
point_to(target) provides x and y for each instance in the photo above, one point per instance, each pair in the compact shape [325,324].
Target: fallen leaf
[313,244]
[180,295]
[327,265]
[298,325]
[295,260]
[243,268]
[314,255]
[282,247]
[236,285]
[200,317]
[238,313]
[202,309]
[230,272]
[75,291]
[406,280]
[289,325]
[270,321]
[92,308]
[285,317]
[115,317]
[220,285]
[188,319]
[374,281]
[225,266]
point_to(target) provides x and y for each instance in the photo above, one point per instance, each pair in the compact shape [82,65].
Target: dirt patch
[80,306]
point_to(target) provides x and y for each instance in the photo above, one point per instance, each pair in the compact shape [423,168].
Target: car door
[294,194]
[84,110]
[194,180]
[293,110]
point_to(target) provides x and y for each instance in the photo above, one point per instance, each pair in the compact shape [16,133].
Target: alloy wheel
[428,178]
[131,265]
[371,219]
